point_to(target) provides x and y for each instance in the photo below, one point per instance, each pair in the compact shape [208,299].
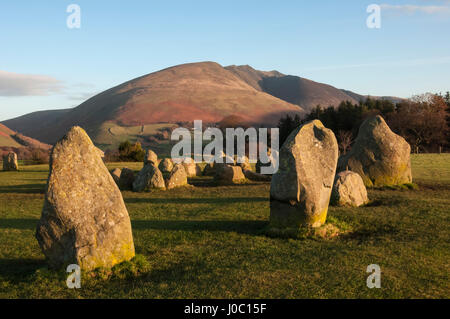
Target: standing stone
[166,165]
[300,190]
[209,169]
[379,156]
[192,169]
[227,174]
[10,162]
[126,179]
[177,177]
[245,165]
[151,158]
[256,177]
[84,220]
[115,173]
[349,190]
[148,177]
[260,164]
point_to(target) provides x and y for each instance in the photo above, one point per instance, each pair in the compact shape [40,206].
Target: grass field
[110,135]
[206,242]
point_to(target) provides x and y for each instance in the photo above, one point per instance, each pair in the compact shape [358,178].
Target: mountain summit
[195,91]
[183,93]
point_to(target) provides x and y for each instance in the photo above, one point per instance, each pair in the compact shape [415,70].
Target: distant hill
[30,124]
[10,139]
[293,89]
[359,97]
[148,105]
[181,93]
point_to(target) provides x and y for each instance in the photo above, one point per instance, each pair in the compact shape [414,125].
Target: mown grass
[206,242]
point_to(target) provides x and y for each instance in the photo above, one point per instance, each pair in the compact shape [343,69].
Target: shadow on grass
[20,270]
[250,227]
[181,200]
[370,233]
[24,189]
[184,271]
[18,223]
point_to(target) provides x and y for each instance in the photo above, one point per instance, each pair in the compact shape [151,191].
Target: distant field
[110,135]
[206,242]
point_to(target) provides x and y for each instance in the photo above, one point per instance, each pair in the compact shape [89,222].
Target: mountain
[30,124]
[147,107]
[182,93]
[293,89]
[360,97]
[12,139]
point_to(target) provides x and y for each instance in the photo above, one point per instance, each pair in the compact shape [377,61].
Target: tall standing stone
[10,162]
[84,220]
[300,190]
[379,156]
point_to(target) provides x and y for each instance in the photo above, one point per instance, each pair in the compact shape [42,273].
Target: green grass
[206,242]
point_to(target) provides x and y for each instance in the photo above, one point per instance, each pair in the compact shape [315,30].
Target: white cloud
[16,84]
[411,9]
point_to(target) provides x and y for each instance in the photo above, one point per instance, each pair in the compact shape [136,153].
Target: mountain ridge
[186,92]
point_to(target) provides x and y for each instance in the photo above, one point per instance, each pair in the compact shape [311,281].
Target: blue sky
[46,65]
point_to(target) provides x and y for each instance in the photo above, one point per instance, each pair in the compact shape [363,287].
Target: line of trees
[424,121]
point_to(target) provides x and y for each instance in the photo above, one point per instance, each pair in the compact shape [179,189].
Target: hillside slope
[292,89]
[204,91]
[12,139]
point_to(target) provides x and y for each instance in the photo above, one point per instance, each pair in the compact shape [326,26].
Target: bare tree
[421,121]
[345,139]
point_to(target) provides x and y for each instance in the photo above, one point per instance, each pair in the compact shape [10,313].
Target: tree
[421,121]
[447,101]
[345,139]
[286,125]
[131,152]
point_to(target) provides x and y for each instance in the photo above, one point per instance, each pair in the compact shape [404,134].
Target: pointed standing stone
[84,220]
[379,156]
[300,190]
[166,165]
[148,177]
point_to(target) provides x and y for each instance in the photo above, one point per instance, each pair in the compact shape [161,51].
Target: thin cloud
[411,9]
[16,84]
